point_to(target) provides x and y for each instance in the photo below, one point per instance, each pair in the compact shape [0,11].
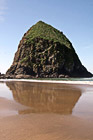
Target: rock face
[45,52]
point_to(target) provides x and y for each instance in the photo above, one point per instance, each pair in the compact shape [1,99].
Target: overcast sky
[73,17]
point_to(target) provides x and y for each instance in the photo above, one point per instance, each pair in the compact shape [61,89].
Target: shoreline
[18,123]
[49,81]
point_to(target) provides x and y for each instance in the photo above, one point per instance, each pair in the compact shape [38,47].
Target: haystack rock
[46,52]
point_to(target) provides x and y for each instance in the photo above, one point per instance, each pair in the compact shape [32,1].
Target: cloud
[2,9]
[89,46]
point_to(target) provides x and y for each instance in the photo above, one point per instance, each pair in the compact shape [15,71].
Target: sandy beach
[40,111]
[43,127]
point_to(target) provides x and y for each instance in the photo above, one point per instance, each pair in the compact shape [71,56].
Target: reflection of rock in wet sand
[45,97]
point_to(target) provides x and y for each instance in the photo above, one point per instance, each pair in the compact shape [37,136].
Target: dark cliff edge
[2,76]
[45,52]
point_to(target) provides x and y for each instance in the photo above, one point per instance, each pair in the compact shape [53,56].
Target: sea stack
[45,52]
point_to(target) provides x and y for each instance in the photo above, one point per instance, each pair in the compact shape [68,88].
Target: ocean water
[88,81]
[67,79]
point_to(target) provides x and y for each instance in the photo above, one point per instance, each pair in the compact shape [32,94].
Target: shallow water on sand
[45,111]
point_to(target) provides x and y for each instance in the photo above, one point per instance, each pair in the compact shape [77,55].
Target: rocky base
[22,76]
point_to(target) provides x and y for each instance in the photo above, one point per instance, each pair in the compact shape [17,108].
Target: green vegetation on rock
[47,32]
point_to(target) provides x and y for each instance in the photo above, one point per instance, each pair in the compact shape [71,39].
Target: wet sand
[44,127]
[45,112]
